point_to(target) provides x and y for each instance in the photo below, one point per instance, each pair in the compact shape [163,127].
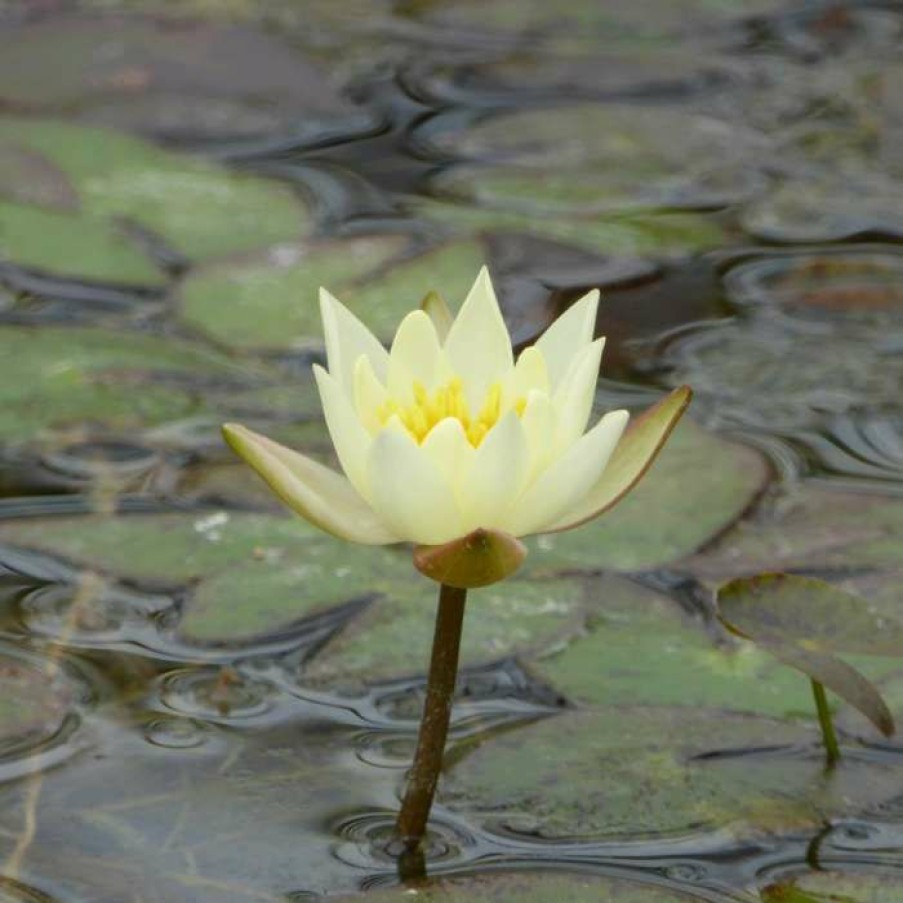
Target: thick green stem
[424,775]
[832,750]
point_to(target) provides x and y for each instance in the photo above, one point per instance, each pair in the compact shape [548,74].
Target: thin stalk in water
[832,749]
[424,775]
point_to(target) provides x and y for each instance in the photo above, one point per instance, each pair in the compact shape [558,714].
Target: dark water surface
[202,700]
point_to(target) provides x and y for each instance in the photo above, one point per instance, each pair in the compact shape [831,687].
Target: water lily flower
[446,438]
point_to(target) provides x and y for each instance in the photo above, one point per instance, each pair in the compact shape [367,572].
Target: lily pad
[73,246]
[514,616]
[832,886]
[678,507]
[194,77]
[635,233]
[639,648]
[842,282]
[641,772]
[198,208]
[270,301]
[623,138]
[527,887]
[53,379]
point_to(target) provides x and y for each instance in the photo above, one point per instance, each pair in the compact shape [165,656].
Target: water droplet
[685,871]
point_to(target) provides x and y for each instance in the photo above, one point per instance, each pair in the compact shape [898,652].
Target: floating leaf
[198,208]
[52,379]
[73,246]
[270,301]
[652,772]
[526,887]
[833,886]
[802,621]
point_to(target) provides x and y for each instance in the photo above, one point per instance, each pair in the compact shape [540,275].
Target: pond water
[203,699]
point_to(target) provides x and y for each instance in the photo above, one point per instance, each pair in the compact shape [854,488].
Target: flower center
[448,401]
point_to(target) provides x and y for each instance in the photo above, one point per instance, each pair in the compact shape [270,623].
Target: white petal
[369,395]
[530,374]
[346,340]
[409,492]
[351,440]
[478,344]
[448,447]
[415,356]
[572,331]
[317,493]
[496,477]
[563,485]
[573,402]
[538,423]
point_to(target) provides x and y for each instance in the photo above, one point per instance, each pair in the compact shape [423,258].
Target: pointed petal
[352,442]
[538,423]
[369,395]
[415,356]
[346,340]
[435,306]
[317,493]
[631,459]
[566,481]
[449,449]
[530,374]
[490,486]
[572,331]
[573,401]
[478,345]
[409,492]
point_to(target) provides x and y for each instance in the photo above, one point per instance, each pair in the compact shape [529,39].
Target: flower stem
[832,750]
[440,688]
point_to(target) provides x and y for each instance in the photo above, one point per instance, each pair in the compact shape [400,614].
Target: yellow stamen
[449,400]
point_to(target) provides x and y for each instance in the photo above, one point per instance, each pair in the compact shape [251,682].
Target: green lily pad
[636,233]
[252,575]
[514,616]
[27,177]
[198,208]
[678,507]
[640,649]
[832,886]
[527,887]
[271,301]
[857,536]
[78,247]
[650,772]
[622,138]
[53,379]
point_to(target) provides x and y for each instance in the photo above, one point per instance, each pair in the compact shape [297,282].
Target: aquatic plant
[449,443]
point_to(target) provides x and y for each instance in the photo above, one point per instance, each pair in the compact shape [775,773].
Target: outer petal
[415,355]
[408,491]
[317,493]
[351,440]
[435,306]
[489,488]
[567,480]
[478,344]
[573,401]
[569,333]
[630,461]
[346,340]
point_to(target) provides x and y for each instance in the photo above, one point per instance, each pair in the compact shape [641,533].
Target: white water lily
[446,433]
